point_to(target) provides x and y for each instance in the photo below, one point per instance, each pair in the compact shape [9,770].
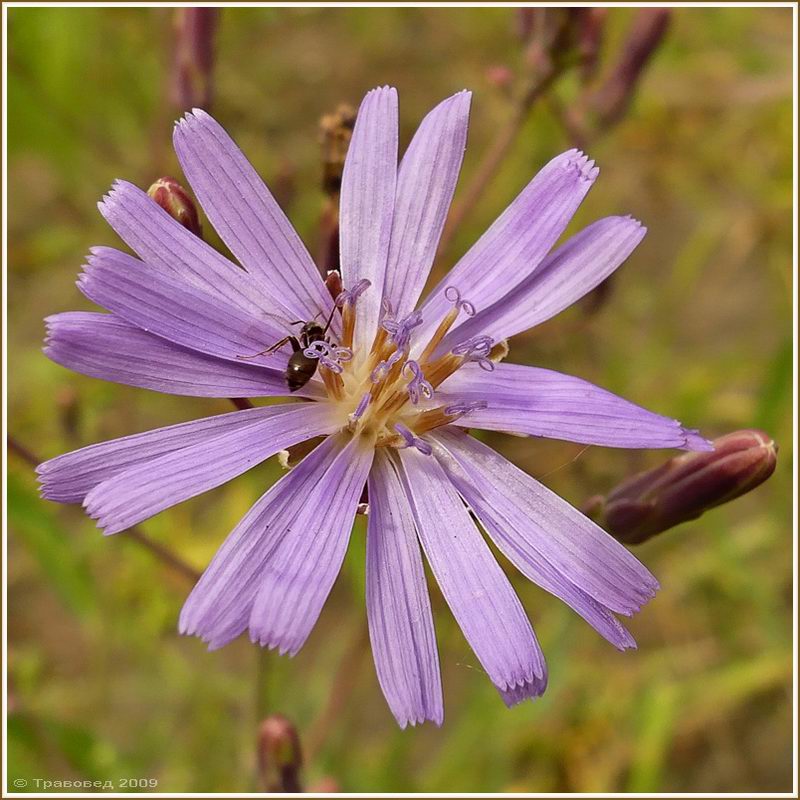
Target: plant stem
[497,151]
[344,681]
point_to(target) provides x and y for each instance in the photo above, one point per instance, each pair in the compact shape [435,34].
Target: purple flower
[395,391]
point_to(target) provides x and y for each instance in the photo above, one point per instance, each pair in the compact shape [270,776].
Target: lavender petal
[527,691]
[67,478]
[301,570]
[398,605]
[367,205]
[144,490]
[425,185]
[514,246]
[542,402]
[175,310]
[246,216]
[106,347]
[519,528]
[478,593]
[164,243]
[534,526]
[218,608]
[574,269]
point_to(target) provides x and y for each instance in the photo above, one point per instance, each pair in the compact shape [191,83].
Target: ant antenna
[330,319]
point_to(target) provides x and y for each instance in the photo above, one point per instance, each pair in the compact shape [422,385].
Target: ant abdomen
[299,370]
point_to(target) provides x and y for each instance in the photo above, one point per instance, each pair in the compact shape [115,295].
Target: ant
[300,368]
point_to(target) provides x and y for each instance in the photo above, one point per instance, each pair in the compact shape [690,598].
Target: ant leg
[330,319]
[290,339]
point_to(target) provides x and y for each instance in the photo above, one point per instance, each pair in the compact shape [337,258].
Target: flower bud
[325,785]
[333,283]
[175,200]
[500,77]
[685,487]
[279,756]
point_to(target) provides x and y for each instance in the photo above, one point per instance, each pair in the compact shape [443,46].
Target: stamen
[388,309]
[350,296]
[440,370]
[334,384]
[417,386]
[347,301]
[400,330]
[329,355]
[454,296]
[362,406]
[476,349]
[382,370]
[462,407]
[477,345]
[412,441]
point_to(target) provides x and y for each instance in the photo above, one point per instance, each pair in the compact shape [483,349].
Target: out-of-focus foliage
[697,326]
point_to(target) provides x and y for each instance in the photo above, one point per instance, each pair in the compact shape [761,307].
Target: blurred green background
[697,326]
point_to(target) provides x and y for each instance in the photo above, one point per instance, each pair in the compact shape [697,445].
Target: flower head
[394,386]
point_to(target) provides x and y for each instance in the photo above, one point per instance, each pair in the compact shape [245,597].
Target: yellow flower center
[385,395]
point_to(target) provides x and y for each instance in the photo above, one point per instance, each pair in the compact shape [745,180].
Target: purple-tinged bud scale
[685,487]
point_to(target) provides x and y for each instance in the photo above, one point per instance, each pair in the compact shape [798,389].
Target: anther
[382,370]
[346,301]
[417,387]
[400,330]
[412,441]
[476,349]
[329,355]
[462,407]
[454,296]
[349,296]
[362,406]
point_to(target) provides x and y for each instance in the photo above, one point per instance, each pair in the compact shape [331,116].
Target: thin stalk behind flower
[194,33]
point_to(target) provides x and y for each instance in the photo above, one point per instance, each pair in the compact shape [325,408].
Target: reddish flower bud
[325,785]
[279,756]
[333,282]
[685,487]
[175,200]
[500,76]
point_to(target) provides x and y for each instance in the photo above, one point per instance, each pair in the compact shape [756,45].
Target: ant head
[312,328]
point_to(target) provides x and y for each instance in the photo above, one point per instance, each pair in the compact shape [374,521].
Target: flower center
[385,394]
